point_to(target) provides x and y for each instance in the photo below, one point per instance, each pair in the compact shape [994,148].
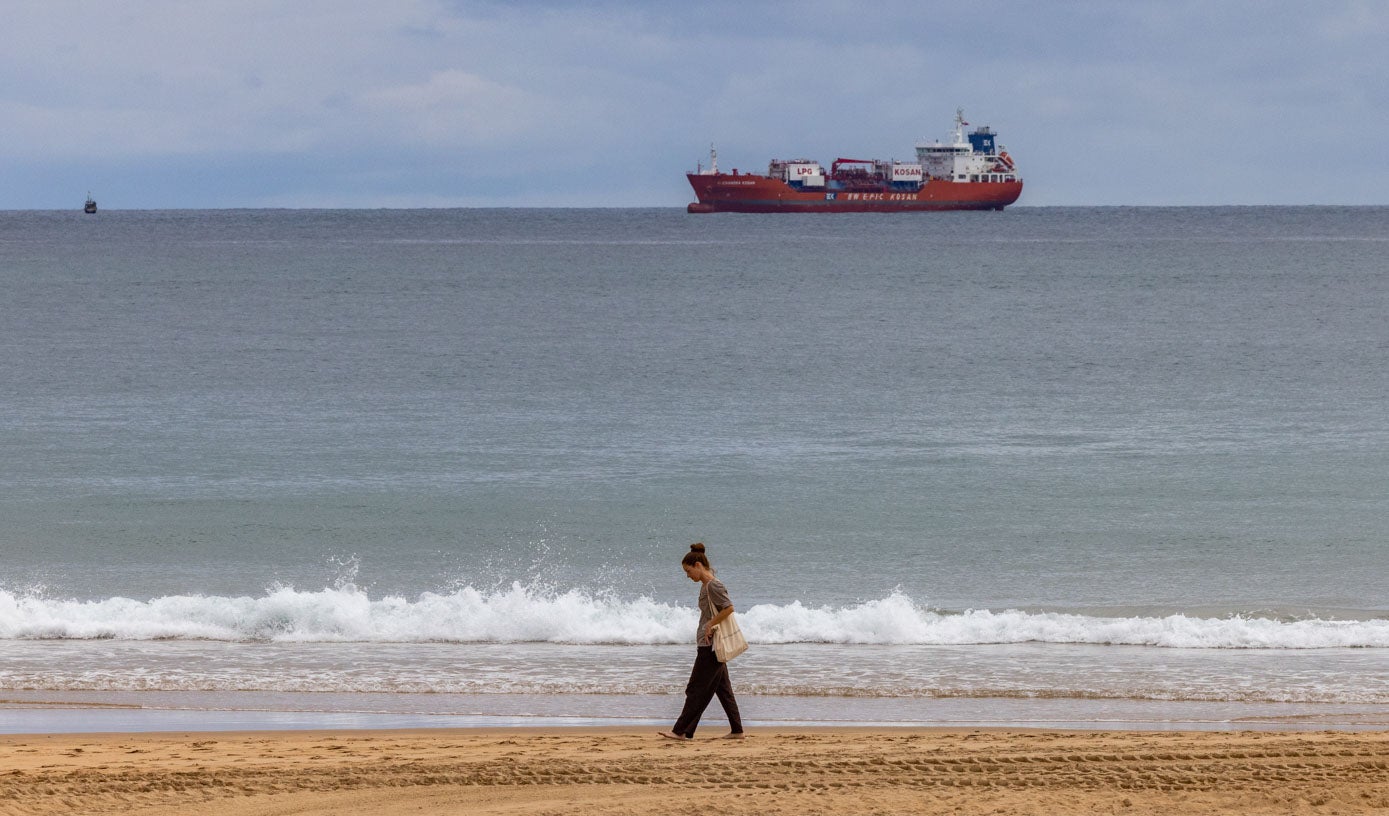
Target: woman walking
[709,677]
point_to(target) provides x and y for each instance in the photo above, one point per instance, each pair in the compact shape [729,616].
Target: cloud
[157,77]
[455,108]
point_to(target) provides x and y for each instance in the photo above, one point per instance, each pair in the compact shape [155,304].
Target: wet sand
[631,771]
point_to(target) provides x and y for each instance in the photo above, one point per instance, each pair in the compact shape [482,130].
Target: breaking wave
[531,614]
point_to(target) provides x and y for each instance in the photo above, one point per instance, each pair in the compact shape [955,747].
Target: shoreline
[70,712]
[624,770]
[81,721]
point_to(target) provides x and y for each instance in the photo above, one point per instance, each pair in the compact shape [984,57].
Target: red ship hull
[724,192]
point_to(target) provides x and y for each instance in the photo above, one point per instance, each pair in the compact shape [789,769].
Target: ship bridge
[967,157]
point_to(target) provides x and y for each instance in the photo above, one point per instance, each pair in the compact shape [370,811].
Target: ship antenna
[960,126]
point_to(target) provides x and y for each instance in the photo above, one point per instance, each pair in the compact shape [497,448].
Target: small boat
[90,206]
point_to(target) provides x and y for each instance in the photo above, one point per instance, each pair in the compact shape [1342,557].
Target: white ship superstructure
[975,157]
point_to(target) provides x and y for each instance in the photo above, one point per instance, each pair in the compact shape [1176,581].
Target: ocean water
[1093,463]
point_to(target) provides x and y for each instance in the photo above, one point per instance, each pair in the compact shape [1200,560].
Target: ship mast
[713,160]
[960,124]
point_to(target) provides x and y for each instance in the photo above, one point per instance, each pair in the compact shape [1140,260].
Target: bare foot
[671,735]
[732,735]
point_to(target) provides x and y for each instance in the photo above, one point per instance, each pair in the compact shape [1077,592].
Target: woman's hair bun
[697,547]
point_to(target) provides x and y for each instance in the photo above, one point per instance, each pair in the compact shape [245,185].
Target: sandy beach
[631,771]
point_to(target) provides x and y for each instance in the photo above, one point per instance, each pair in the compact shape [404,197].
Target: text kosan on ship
[971,172]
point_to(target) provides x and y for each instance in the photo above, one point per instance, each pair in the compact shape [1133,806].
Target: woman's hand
[714,624]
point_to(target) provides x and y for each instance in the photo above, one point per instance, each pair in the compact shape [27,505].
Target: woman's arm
[717,619]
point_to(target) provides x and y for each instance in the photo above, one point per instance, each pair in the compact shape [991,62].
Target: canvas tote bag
[728,640]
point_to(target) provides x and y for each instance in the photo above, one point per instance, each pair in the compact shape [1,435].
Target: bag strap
[713,610]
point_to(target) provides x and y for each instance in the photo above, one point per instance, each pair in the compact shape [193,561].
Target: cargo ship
[971,172]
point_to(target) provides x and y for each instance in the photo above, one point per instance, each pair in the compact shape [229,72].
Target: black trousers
[709,677]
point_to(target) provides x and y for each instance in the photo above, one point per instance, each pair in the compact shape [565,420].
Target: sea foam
[531,614]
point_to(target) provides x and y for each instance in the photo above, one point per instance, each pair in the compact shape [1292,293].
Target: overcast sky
[404,103]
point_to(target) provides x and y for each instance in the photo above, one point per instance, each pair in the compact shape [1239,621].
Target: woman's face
[691,570]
